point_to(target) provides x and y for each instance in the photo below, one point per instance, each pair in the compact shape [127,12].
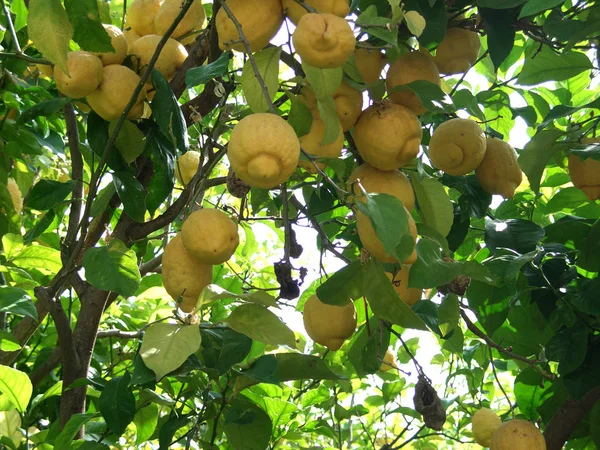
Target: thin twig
[498,381]
[287,230]
[459,82]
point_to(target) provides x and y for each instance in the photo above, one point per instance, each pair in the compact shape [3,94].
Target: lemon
[183,275]
[171,57]
[295,11]
[169,10]
[263,150]
[391,182]
[186,166]
[409,296]
[407,68]
[585,175]
[313,141]
[369,64]
[119,43]
[111,97]
[323,40]
[389,361]
[371,242]
[85,75]
[130,36]
[499,171]
[329,325]
[458,51]
[483,423]
[141,14]
[348,105]
[457,146]
[15,194]
[260,21]
[518,434]
[210,236]
[388,136]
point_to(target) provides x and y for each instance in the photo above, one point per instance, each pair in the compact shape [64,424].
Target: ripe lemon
[169,10]
[15,194]
[369,64]
[119,43]
[457,146]
[130,36]
[313,141]
[388,136]
[171,57]
[141,14]
[585,175]
[409,296]
[499,171]
[111,97]
[458,51]
[483,423]
[183,275]
[411,67]
[260,21]
[186,167]
[348,105]
[389,361]
[329,325]
[518,434]
[323,40]
[263,150]
[85,75]
[295,11]
[391,182]
[210,236]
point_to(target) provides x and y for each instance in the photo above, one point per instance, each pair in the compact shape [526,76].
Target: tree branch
[76,175]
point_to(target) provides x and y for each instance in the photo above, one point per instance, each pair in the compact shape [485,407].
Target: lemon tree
[287,224]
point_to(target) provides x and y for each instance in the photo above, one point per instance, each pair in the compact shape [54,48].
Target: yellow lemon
[186,166]
[585,175]
[483,423]
[85,75]
[313,141]
[518,434]
[183,275]
[210,236]
[499,171]
[329,325]
[111,97]
[409,296]
[15,194]
[119,43]
[295,11]
[171,57]
[130,36]
[260,21]
[141,14]
[411,67]
[388,136]
[369,64]
[348,105]
[391,182]
[323,40]
[458,51]
[389,361]
[169,10]
[263,150]
[457,146]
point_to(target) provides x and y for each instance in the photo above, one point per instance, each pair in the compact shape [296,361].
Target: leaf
[162,158]
[17,301]
[300,117]
[267,62]
[434,204]
[343,286]
[294,366]
[324,82]
[436,20]
[76,421]
[430,94]
[260,324]
[377,26]
[168,430]
[50,30]
[102,200]
[569,347]
[97,134]
[415,22]
[247,427]
[490,303]
[38,257]
[530,389]
[213,292]
[167,113]
[431,270]
[537,153]
[112,268]
[550,66]
[46,194]
[224,347]
[166,346]
[503,4]
[45,108]
[368,348]
[89,32]
[501,31]
[145,421]
[39,228]
[130,141]
[533,7]
[53,391]
[203,74]
[117,404]
[10,422]
[131,192]
[594,420]
[517,234]
[15,389]
[8,343]
[328,114]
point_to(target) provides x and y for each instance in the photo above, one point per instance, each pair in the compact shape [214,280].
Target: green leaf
[45,108]
[53,391]
[449,314]
[464,99]
[429,93]
[260,324]
[569,347]
[38,257]
[46,194]
[533,7]
[324,82]
[112,268]
[294,366]
[168,430]
[167,113]
[594,420]
[76,421]
[501,31]
[17,301]
[384,300]
[550,66]
[415,22]
[130,141]
[213,292]
[162,158]
[247,427]
[502,4]
[50,30]
[117,404]
[145,421]
[97,134]
[19,9]
[431,270]
[131,192]
[327,111]
[300,117]
[39,228]
[586,299]
[8,343]
[102,200]
[15,389]
[537,153]
[368,348]
[517,234]
[166,346]
[436,20]
[267,62]
[530,389]
[377,26]
[203,74]
[490,303]
[10,422]
[224,347]
[343,286]
[434,204]
[89,32]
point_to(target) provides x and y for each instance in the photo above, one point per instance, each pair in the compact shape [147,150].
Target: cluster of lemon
[585,174]
[105,82]
[516,434]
